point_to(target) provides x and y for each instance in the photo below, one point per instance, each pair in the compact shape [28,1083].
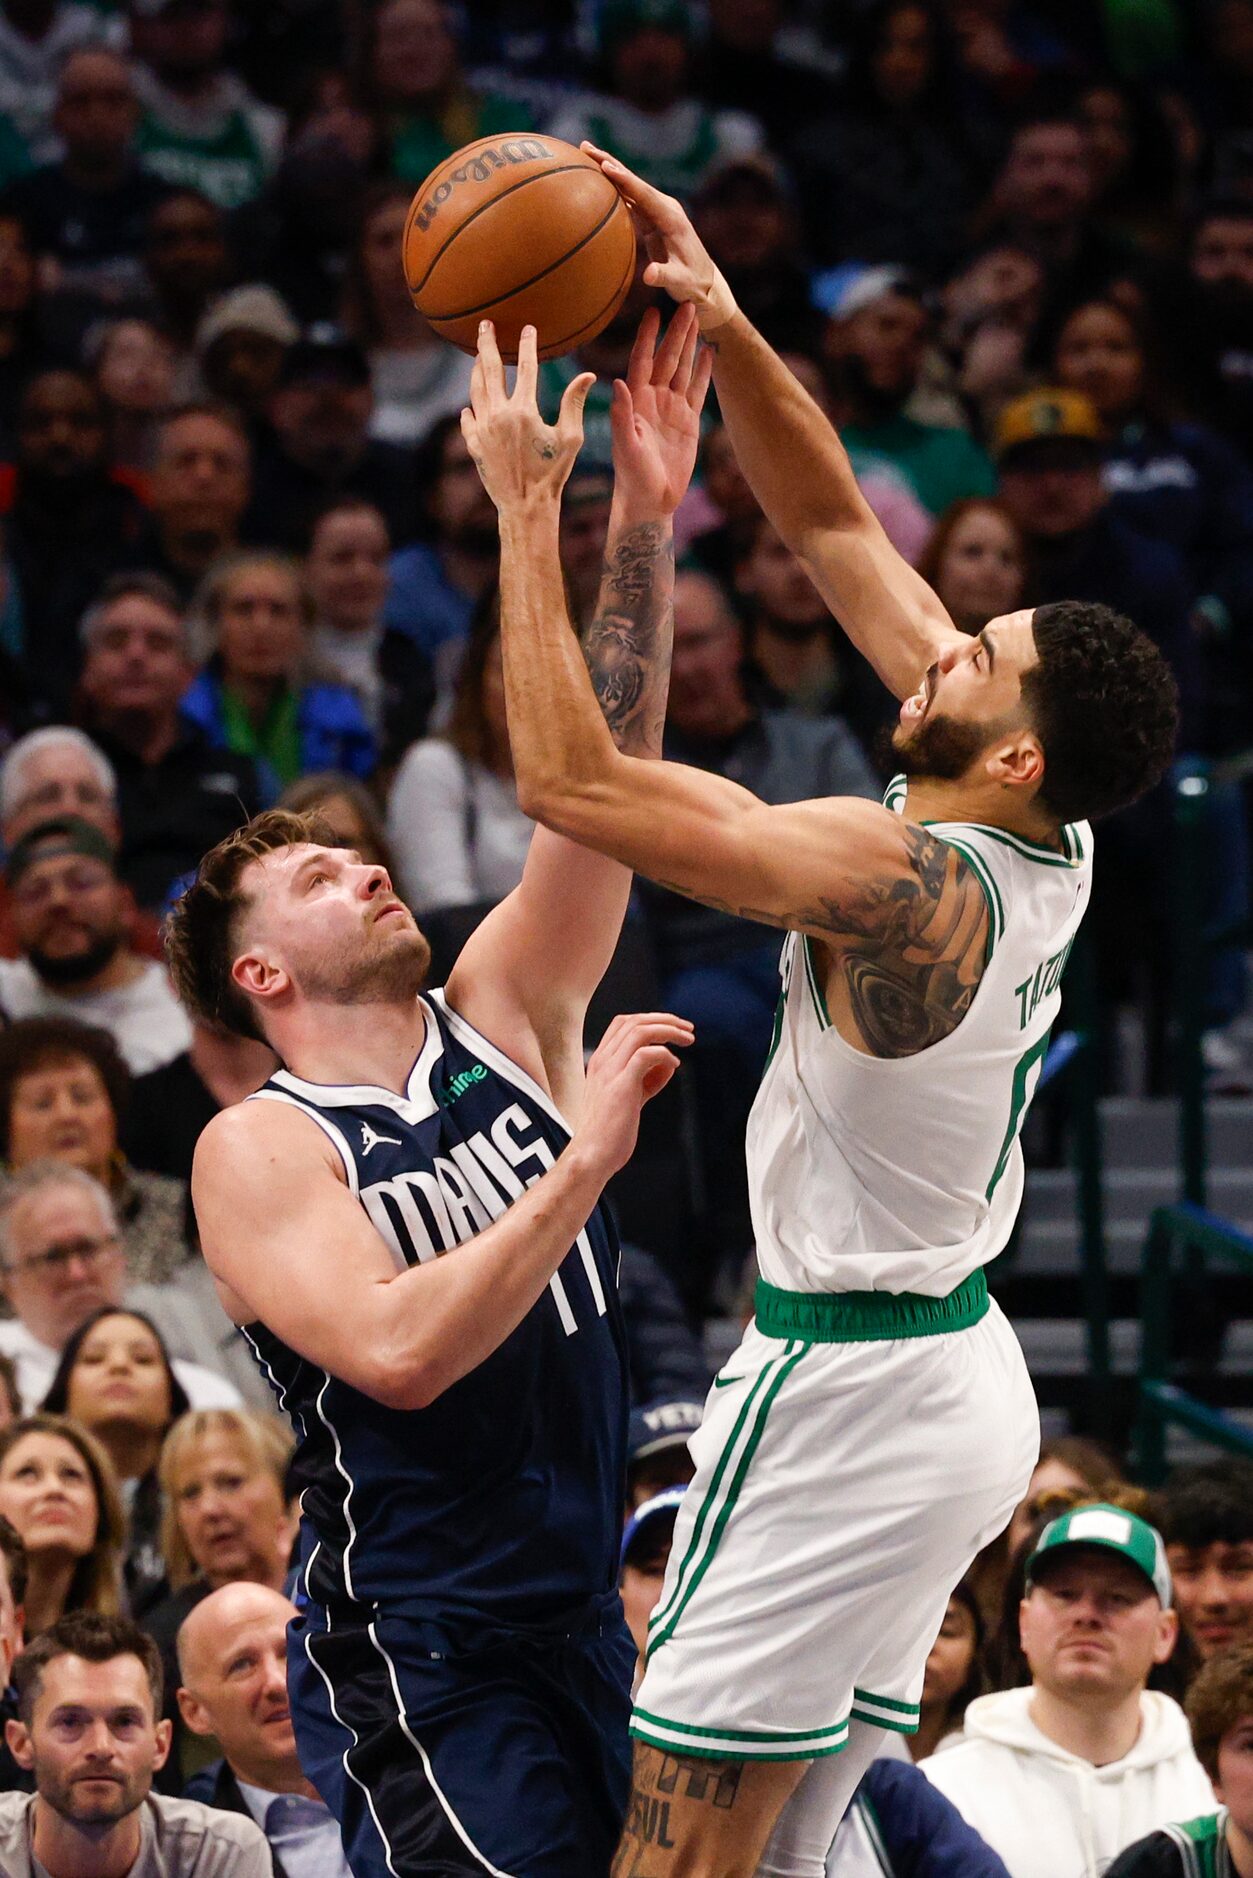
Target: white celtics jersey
[905,1174]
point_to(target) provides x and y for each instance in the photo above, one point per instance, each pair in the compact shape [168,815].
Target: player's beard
[390,973]
[940,747]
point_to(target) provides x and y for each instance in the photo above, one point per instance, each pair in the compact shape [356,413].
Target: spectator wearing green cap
[645,113]
[1061,1776]
[1217,1845]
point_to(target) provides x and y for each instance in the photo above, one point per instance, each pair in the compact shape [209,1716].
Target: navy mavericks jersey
[504,1496]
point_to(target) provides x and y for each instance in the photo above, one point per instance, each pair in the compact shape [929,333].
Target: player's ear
[258,976]
[1017,761]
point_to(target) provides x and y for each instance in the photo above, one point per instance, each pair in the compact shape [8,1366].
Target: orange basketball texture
[521,230]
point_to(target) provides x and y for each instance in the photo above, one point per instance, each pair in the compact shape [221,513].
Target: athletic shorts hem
[902,1718]
[738,1744]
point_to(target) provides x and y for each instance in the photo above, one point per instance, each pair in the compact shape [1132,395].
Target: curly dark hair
[35,1043]
[1219,1700]
[200,931]
[1105,706]
[1210,1503]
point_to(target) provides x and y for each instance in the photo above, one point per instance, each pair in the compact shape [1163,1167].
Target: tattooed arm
[529,971]
[627,646]
[897,911]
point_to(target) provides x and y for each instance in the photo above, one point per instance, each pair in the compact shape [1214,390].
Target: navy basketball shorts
[451,1748]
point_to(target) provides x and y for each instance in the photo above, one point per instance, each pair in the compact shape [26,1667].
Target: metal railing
[1200,1236]
[1073,1060]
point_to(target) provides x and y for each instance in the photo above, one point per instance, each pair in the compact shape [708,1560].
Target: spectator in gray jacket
[89,1694]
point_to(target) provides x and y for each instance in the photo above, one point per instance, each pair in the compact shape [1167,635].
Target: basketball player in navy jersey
[459,1674]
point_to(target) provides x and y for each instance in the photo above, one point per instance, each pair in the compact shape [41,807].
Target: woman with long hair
[115,1380]
[954,1674]
[417,376]
[63,1095]
[453,820]
[57,1488]
[976,560]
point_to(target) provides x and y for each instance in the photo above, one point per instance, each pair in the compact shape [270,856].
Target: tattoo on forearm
[627,645]
[670,1794]
[909,947]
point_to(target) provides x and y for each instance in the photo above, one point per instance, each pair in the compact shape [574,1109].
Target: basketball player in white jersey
[877,1425]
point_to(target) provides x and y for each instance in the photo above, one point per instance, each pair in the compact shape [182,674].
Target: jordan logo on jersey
[370,1140]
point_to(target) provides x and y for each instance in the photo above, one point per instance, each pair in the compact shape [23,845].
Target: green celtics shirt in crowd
[672,149]
[1197,1849]
[941,465]
[224,146]
[420,141]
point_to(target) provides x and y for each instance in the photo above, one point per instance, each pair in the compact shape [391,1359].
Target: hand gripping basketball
[677,258]
[516,453]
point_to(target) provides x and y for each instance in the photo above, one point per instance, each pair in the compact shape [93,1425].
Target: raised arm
[289,1245]
[892,902]
[526,976]
[794,462]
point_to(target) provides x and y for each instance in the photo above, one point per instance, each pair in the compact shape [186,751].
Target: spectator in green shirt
[427,106]
[876,343]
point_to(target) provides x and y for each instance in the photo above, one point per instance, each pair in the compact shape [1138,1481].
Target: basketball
[522,230]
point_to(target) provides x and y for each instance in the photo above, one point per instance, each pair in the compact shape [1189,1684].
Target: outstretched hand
[678,259]
[517,454]
[655,415]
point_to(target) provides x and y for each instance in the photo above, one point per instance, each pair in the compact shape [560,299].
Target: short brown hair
[200,931]
[1219,1700]
[36,1043]
[96,1639]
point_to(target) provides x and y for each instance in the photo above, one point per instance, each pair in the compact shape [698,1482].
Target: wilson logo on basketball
[478,170]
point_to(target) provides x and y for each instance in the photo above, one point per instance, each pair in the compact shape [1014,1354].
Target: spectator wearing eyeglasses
[71,919]
[61,1259]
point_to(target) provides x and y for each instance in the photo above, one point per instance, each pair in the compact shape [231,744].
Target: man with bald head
[232,1659]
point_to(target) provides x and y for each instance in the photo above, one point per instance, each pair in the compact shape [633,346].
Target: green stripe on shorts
[707,1533]
[882,1712]
[738,1744]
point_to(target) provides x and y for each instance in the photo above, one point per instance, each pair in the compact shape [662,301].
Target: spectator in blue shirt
[257,695]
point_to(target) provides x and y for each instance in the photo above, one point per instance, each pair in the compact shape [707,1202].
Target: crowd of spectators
[245,559]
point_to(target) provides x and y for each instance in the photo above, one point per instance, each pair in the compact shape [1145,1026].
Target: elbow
[405,1382]
[558,802]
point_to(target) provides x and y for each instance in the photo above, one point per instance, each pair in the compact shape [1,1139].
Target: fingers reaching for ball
[518,456]
[679,261]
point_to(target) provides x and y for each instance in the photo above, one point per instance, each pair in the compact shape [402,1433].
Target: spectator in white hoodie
[1061,1776]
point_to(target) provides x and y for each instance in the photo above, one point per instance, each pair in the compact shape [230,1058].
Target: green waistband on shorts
[868,1316]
